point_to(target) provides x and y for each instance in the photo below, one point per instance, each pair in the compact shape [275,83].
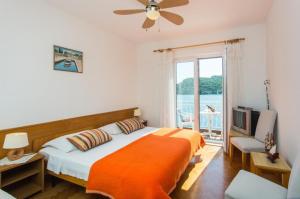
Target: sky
[208,68]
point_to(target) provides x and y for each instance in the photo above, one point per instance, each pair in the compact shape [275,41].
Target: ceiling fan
[153,11]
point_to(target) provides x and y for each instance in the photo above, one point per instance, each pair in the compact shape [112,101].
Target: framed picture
[68,60]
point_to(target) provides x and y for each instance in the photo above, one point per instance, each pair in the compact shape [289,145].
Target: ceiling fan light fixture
[153,12]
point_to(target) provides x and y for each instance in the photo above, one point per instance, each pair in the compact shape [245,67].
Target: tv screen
[240,119]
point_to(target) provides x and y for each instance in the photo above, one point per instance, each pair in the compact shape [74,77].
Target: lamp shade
[137,112]
[15,141]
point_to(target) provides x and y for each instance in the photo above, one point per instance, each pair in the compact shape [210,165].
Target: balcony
[211,123]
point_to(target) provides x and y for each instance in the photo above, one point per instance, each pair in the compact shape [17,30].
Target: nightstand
[23,180]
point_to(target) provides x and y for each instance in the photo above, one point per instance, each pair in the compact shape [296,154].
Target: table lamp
[15,142]
[137,112]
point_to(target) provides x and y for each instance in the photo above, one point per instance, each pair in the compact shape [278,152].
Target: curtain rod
[231,41]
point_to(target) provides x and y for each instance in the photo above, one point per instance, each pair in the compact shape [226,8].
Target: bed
[150,159]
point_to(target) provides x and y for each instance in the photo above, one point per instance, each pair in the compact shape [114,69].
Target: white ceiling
[200,16]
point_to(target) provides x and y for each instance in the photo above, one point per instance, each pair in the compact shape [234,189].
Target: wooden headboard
[41,133]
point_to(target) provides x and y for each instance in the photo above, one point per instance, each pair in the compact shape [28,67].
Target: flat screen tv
[241,120]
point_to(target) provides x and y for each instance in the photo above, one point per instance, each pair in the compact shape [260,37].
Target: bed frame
[39,134]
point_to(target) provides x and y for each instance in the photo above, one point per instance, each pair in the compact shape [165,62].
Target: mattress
[78,164]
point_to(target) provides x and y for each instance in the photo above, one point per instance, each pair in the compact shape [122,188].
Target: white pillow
[62,144]
[111,129]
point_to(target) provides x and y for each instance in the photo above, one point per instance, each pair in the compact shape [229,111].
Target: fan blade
[172,17]
[148,23]
[172,3]
[128,12]
[145,2]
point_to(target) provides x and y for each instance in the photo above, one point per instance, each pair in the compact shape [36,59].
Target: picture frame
[66,59]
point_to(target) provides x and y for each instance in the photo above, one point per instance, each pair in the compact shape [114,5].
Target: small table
[210,116]
[23,180]
[259,163]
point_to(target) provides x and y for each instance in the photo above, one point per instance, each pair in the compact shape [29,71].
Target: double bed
[146,163]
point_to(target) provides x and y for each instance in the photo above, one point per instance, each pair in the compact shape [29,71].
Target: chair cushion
[247,145]
[250,186]
[265,124]
[294,183]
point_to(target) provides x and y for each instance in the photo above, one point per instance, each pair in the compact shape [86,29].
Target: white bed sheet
[78,164]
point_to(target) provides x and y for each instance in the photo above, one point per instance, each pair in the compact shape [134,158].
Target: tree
[207,86]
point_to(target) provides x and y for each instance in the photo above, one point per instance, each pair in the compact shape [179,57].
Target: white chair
[250,186]
[184,120]
[246,145]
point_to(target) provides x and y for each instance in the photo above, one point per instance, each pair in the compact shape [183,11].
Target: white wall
[32,92]
[254,67]
[283,30]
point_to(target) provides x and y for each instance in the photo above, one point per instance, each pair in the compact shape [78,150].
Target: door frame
[196,88]
[196,60]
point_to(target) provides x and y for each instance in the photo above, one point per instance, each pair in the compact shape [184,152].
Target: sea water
[185,104]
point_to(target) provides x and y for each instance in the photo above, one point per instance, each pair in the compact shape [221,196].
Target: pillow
[62,144]
[129,125]
[111,129]
[89,139]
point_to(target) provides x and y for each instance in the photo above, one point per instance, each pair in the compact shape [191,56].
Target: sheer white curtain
[167,90]
[233,73]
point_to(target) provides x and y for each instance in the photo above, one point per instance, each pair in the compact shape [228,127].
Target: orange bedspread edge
[148,168]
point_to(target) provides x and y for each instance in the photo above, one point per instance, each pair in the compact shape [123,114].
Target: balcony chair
[250,186]
[246,145]
[184,120]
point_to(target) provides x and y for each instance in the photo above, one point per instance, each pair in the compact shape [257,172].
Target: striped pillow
[89,139]
[129,125]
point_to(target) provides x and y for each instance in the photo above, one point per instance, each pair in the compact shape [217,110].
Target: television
[241,120]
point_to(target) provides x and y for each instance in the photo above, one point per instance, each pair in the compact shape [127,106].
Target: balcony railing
[207,119]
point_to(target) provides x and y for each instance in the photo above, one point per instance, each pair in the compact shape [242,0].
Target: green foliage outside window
[207,86]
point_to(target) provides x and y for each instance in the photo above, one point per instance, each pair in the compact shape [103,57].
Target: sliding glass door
[211,99]
[185,106]
[199,97]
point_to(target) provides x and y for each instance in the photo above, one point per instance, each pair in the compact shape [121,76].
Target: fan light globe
[153,14]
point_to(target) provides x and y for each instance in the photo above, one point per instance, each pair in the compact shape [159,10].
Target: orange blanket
[148,168]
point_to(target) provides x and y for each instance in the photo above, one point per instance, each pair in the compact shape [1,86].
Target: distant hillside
[208,86]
